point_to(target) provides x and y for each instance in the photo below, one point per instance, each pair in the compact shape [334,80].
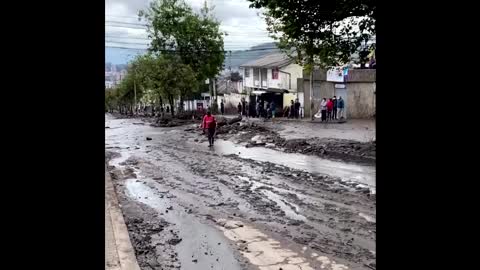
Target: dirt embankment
[167,120]
[258,135]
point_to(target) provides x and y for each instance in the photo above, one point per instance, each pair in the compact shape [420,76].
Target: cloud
[244,27]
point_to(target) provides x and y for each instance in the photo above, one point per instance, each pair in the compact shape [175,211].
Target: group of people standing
[293,111]
[332,109]
[265,109]
[262,108]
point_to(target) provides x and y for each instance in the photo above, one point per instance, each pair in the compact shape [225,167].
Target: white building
[274,72]
[108,84]
[272,78]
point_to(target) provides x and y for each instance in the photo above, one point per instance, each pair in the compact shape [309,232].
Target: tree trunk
[180,107]
[172,107]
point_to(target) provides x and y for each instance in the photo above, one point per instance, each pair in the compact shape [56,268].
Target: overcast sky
[244,27]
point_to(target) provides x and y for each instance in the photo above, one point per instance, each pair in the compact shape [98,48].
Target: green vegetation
[186,49]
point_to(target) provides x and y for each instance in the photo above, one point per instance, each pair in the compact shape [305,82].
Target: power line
[126,37]
[131,23]
[127,48]
[123,42]
[175,51]
[120,16]
[123,26]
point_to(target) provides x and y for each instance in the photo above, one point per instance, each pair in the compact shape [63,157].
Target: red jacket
[329,105]
[209,121]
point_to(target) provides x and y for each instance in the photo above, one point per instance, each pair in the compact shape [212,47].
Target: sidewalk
[119,253]
[353,129]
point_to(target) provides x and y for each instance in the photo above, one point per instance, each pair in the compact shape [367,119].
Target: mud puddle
[306,217]
[200,246]
[347,172]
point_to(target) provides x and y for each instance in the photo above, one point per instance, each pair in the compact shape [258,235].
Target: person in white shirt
[323,108]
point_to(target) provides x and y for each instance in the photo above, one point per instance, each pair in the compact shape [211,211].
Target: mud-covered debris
[149,139]
[295,222]
[174,241]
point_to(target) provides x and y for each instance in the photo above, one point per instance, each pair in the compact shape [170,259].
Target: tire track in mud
[270,199]
[338,216]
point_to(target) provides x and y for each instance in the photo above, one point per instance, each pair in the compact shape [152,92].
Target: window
[275,74]
[247,72]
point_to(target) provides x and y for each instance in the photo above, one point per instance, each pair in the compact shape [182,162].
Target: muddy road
[188,206]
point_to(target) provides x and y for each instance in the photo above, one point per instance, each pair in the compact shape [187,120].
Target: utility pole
[135,88]
[135,92]
[214,90]
[311,95]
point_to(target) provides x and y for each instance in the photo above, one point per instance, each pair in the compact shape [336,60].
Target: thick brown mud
[191,207]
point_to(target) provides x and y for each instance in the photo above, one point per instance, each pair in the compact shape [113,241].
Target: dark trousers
[324,115]
[334,113]
[329,115]
[211,134]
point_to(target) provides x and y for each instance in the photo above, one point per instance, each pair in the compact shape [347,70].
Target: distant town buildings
[114,74]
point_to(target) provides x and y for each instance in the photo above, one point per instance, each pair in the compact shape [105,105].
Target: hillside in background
[237,58]
[120,57]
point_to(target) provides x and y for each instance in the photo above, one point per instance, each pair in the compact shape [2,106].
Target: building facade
[271,78]
[357,88]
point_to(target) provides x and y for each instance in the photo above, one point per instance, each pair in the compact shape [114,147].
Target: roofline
[269,66]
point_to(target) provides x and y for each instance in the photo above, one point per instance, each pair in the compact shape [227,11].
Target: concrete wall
[360,85]
[284,80]
[361,75]
[248,81]
[296,71]
[281,83]
[191,105]
[360,100]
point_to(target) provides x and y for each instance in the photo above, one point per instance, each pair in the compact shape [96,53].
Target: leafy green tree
[167,78]
[321,32]
[110,100]
[129,89]
[194,39]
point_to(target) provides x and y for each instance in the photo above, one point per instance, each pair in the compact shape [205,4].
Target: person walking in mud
[222,107]
[209,123]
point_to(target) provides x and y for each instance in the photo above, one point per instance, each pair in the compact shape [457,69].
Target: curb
[124,253]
